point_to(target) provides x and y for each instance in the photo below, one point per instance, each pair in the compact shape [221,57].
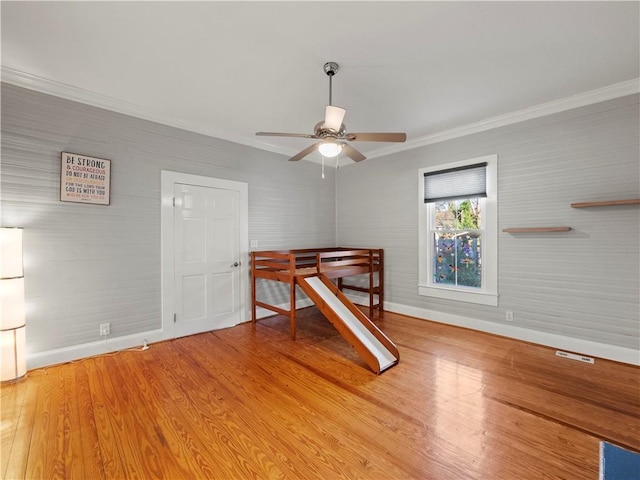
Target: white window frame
[488,294]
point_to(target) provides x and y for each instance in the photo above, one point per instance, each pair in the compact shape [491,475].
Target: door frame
[167,247]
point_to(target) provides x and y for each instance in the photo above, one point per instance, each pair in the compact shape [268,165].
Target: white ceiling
[229,69]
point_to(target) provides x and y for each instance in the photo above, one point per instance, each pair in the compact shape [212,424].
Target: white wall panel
[583,284]
[87,264]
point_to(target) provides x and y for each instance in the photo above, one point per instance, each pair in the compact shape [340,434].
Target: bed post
[371,286]
[253,287]
[381,282]
[292,295]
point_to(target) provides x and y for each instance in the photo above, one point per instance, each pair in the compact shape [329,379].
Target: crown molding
[69,92]
[610,92]
[87,97]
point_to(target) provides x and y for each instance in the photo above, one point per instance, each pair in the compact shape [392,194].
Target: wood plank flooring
[246,402]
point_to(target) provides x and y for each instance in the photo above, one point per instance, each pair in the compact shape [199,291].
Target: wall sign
[85,179]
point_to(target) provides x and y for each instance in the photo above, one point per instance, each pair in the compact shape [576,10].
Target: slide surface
[371,343]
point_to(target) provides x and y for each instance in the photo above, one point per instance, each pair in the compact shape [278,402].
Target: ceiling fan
[333,134]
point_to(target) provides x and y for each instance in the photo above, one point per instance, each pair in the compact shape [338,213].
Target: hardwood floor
[247,402]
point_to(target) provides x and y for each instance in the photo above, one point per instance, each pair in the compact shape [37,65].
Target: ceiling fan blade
[333,117]
[304,152]
[278,134]
[352,153]
[376,137]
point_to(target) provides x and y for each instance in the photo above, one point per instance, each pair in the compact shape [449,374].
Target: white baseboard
[575,345]
[85,350]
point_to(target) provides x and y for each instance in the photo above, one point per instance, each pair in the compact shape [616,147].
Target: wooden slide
[369,341]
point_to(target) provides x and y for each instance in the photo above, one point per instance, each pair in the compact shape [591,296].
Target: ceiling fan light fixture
[329,149]
[332,133]
[333,117]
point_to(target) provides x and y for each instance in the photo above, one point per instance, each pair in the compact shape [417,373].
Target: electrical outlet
[509,316]
[105,329]
[254,243]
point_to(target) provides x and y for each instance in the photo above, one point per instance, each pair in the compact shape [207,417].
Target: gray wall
[88,264]
[583,284]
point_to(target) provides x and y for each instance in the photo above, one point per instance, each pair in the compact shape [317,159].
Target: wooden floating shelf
[536,229]
[609,203]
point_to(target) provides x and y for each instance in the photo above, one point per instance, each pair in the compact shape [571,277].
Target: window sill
[459,295]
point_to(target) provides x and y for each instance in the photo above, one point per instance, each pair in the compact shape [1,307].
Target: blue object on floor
[618,464]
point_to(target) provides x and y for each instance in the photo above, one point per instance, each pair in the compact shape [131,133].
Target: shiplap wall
[86,265]
[89,264]
[583,284]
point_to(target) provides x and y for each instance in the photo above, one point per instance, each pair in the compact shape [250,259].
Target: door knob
[235,264]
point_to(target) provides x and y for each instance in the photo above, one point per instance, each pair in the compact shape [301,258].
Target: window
[457,243]
[458,231]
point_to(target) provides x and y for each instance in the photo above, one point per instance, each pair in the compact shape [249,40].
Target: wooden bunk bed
[287,266]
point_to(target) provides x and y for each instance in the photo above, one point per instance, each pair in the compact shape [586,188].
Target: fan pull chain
[323,167]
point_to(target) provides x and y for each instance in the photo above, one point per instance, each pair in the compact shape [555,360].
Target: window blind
[455,183]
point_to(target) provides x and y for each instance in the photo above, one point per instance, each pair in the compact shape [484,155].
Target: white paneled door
[206,258]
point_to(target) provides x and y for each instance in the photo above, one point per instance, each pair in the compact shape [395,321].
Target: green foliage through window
[457,243]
